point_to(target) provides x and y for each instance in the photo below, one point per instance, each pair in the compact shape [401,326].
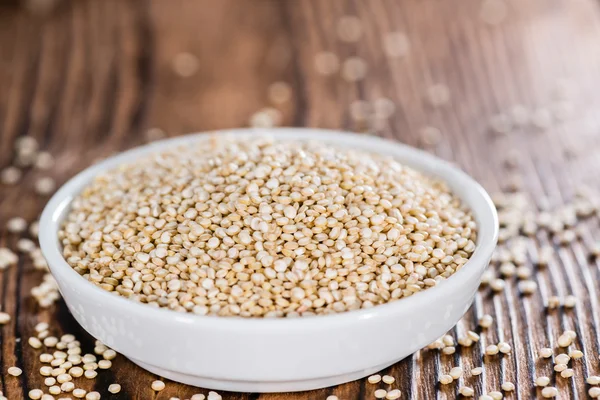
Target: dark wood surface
[93,77]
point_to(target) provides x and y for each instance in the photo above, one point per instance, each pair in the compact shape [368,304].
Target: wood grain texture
[91,77]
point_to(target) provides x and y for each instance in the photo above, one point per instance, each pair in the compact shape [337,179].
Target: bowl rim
[65,274]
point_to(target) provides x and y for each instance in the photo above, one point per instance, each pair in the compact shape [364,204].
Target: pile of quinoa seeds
[254,227]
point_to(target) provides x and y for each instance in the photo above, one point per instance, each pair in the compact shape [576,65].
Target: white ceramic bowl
[273,355]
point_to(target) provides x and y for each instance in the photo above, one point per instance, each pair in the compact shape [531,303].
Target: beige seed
[593,380]
[549,392]
[35,394]
[393,394]
[438,95]
[594,392]
[185,64]
[388,379]
[486,321]
[4,318]
[527,287]
[560,367]
[567,373]
[497,285]
[373,379]
[449,350]
[279,92]
[54,389]
[90,374]
[466,391]
[491,350]
[50,381]
[213,396]
[157,386]
[7,259]
[92,396]
[114,388]
[76,372]
[10,175]
[431,136]
[380,393]
[564,340]
[476,371]
[197,396]
[396,44]
[34,342]
[508,386]
[546,352]
[104,364]
[14,371]
[456,372]
[562,359]
[485,397]
[46,370]
[446,379]
[44,186]
[79,393]
[553,302]
[576,354]
[504,348]
[542,381]
[354,69]
[62,378]
[332,397]
[496,395]
[570,301]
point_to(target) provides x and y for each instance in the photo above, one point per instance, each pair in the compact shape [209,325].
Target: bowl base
[260,386]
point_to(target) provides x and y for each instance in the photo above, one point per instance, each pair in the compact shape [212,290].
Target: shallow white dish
[273,355]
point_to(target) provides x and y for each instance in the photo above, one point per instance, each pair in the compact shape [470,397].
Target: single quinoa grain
[158,386]
[549,392]
[327,230]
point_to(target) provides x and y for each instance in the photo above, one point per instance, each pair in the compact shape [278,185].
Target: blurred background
[507,89]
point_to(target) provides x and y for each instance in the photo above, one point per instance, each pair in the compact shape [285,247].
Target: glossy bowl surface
[273,355]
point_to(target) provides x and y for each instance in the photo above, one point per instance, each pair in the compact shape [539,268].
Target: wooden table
[93,77]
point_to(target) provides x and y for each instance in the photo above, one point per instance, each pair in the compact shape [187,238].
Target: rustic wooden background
[92,77]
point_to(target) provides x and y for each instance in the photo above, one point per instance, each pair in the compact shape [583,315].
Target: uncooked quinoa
[254,227]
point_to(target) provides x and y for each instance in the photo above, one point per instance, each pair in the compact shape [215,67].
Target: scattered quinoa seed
[380,393]
[549,392]
[393,394]
[542,381]
[157,386]
[546,352]
[486,321]
[14,371]
[446,379]
[508,386]
[327,63]
[593,380]
[185,64]
[388,379]
[114,388]
[16,225]
[466,391]
[374,379]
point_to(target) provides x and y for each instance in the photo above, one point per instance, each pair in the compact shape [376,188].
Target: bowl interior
[463,186]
